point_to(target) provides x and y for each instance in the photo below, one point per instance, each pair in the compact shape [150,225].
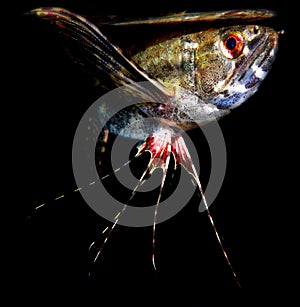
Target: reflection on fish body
[194,78]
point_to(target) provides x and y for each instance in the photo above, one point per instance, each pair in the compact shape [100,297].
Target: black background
[50,248]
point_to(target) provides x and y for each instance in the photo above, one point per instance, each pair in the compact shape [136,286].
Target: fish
[183,79]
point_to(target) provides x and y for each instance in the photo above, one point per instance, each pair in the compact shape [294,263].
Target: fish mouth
[260,60]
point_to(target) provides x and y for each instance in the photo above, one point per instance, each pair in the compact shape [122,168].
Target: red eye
[232,45]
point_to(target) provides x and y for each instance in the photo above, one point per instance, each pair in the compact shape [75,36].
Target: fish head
[232,62]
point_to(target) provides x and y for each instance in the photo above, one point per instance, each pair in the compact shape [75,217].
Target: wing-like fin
[203,17]
[92,49]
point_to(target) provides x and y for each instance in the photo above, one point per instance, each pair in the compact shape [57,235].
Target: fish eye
[232,45]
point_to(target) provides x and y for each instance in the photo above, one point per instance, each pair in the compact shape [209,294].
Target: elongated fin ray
[182,157]
[159,147]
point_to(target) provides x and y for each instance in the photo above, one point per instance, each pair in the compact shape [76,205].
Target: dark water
[52,246]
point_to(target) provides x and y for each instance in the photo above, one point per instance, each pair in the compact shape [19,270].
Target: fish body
[207,74]
[196,77]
